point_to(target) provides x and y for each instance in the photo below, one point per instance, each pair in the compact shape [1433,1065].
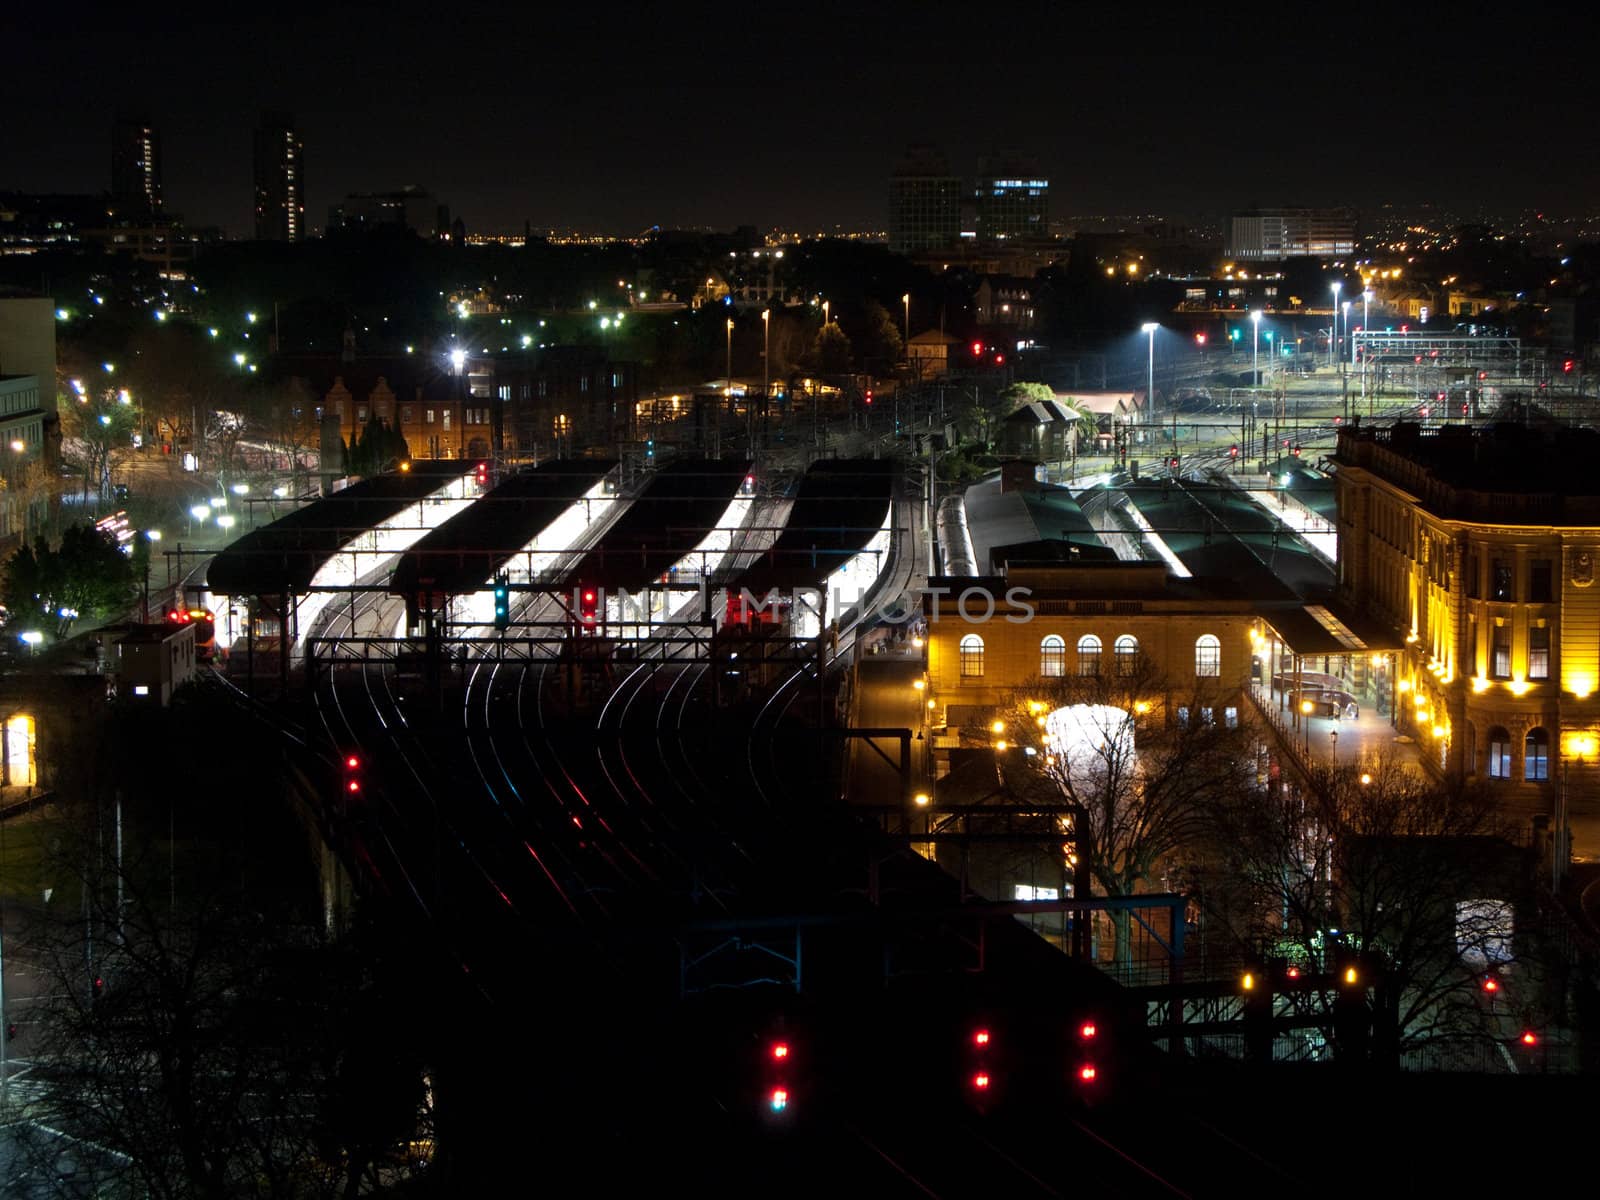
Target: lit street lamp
[766,368]
[1255,347]
[1150,328]
[906,300]
[198,513]
[1333,336]
[727,391]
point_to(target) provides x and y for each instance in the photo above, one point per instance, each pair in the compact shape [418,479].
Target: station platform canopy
[281,558]
[676,511]
[839,507]
[465,553]
[1328,629]
[1229,544]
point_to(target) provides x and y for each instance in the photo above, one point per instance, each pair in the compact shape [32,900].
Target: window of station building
[1230,717]
[1183,716]
[1539,652]
[1499,753]
[1541,581]
[446,415]
[504,391]
[1207,716]
[1053,657]
[1536,756]
[361,412]
[971,656]
[1126,649]
[1500,587]
[1500,652]
[1207,656]
[1088,655]
[427,416]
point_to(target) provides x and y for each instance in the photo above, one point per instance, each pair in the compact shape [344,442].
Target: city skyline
[715,123]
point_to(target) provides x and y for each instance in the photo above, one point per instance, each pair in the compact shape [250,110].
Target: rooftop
[1507,473]
[840,506]
[284,556]
[464,553]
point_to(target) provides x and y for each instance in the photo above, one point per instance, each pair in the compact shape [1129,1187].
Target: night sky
[614,117]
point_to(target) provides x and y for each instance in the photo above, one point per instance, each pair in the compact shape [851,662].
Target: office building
[924,203]
[1012,200]
[280,180]
[410,208]
[136,167]
[1274,234]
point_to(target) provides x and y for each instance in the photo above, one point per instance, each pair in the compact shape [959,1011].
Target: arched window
[1499,753]
[1052,657]
[971,656]
[1536,756]
[1127,652]
[1207,656]
[1088,655]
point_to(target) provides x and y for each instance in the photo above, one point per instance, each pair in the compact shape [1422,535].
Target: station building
[1479,545]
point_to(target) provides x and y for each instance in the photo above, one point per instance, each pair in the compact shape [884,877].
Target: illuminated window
[1230,717]
[1207,656]
[21,769]
[1052,657]
[1126,649]
[1536,756]
[1088,655]
[1539,652]
[1500,652]
[971,656]
[1499,753]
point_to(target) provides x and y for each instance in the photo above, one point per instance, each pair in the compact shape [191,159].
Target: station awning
[1314,629]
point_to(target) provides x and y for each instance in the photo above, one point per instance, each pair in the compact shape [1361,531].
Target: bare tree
[1142,760]
[1379,864]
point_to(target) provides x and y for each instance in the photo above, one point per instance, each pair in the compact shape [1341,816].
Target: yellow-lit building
[988,637]
[1479,545]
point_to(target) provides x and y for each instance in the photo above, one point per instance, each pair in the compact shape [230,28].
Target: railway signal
[502,602]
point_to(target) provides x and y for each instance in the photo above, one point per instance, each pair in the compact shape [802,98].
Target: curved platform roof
[464,553]
[678,507]
[281,558]
[839,507]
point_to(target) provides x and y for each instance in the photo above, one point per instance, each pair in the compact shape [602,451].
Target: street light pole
[1150,327]
[1255,347]
[906,300]
[1333,333]
[766,367]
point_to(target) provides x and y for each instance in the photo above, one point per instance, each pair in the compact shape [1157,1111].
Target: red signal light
[1233,452]
[353,786]
[999,360]
[981,1038]
[980,1080]
[1088,1030]
[1491,984]
[1087,1073]
[977,349]
[1567,366]
[1200,339]
[778,1099]
[1293,972]
[780,1050]
[1530,1038]
[352,762]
